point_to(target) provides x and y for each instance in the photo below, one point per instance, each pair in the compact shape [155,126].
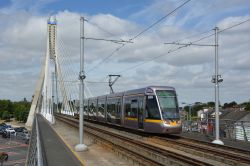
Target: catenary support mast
[216,82]
[81,146]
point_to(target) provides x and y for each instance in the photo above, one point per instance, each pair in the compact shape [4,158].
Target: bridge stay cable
[69,70]
[70,75]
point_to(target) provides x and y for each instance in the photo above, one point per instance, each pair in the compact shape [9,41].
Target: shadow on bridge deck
[55,152]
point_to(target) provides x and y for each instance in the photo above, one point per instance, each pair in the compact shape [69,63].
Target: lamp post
[81,146]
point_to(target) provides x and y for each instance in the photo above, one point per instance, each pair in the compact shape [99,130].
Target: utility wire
[107,57]
[194,35]
[225,29]
[104,30]
[235,25]
[162,18]
[97,82]
[114,41]
[109,40]
[190,36]
[136,36]
[183,46]
[193,42]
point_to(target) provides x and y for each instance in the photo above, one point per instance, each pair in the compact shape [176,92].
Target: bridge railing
[35,155]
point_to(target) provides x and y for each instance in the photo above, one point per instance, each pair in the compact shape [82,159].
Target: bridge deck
[55,151]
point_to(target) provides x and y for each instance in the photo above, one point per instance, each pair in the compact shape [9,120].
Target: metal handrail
[35,155]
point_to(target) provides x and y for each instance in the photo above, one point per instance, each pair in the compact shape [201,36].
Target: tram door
[118,111]
[140,112]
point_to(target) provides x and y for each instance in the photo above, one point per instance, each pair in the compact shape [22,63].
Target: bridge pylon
[43,100]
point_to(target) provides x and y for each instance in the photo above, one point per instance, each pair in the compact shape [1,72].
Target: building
[236,125]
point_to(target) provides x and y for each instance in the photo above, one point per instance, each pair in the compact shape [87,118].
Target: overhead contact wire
[170,51]
[140,33]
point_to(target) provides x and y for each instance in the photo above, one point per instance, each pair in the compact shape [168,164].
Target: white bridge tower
[44,100]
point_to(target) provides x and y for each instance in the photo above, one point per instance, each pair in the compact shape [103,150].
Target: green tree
[6,105]
[210,104]
[19,109]
[6,115]
[225,105]
[232,104]
[247,108]
[24,115]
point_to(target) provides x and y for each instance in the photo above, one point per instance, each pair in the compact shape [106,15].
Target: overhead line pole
[81,146]
[216,81]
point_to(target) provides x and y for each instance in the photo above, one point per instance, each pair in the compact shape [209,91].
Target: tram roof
[144,90]
[134,91]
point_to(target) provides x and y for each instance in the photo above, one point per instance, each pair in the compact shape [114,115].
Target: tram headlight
[167,122]
[178,121]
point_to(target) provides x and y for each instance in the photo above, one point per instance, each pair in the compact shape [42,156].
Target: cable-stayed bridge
[57,91]
[58,83]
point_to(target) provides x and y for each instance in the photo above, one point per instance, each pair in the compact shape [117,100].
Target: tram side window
[112,107]
[118,107]
[92,107]
[101,107]
[85,108]
[108,106]
[134,107]
[96,106]
[141,104]
[88,106]
[152,110]
[127,108]
[131,106]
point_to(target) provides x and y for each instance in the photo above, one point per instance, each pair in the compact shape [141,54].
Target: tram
[153,109]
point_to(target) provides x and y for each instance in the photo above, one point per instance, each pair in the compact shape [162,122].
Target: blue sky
[23,43]
[140,11]
[119,8]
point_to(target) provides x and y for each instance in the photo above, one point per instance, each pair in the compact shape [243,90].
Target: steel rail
[173,156]
[235,155]
[136,157]
[232,154]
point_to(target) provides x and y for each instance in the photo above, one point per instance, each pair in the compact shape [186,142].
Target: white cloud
[23,45]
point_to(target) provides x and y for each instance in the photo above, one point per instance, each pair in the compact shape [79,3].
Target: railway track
[164,151]
[225,154]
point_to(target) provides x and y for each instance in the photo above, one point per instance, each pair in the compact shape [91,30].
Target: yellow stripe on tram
[146,120]
[153,120]
[128,118]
